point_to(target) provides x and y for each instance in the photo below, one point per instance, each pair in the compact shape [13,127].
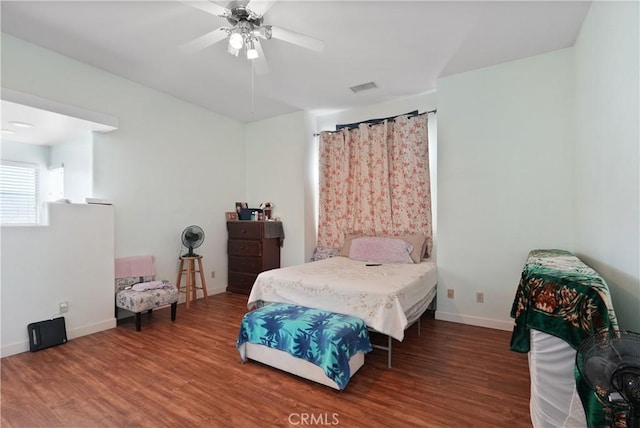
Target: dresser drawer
[241,282]
[245,229]
[245,264]
[253,247]
[237,247]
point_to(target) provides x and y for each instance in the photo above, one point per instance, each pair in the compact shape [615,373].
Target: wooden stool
[191,286]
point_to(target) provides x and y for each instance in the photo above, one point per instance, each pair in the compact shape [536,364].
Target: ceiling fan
[245,31]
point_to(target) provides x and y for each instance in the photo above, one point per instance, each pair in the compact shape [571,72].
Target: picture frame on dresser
[231,215]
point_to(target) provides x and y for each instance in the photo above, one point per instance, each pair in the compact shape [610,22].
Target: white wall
[608,151]
[69,260]
[422,102]
[77,157]
[276,166]
[22,152]
[169,165]
[310,186]
[505,180]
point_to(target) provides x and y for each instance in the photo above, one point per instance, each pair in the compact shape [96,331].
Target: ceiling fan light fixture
[235,40]
[245,31]
[252,52]
[233,51]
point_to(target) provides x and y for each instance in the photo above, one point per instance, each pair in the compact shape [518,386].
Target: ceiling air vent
[363,87]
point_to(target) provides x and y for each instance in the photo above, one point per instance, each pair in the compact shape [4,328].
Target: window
[19,193]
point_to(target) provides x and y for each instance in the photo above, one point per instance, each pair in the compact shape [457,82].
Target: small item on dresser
[247,213]
[267,207]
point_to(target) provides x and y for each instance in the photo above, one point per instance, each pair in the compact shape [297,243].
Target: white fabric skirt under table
[554,399]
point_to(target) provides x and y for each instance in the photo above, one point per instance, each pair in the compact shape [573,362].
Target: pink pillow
[380,250]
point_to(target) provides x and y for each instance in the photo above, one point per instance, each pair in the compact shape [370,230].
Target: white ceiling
[402,46]
[49,127]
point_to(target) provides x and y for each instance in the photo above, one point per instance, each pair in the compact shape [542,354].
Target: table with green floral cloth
[560,295]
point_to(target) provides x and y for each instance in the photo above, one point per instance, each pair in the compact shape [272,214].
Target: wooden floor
[189,374]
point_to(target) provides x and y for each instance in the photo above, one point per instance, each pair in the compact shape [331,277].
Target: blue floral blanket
[325,339]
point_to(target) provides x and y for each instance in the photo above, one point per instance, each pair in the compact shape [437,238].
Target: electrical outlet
[450,293]
[213,274]
[479,297]
[63,307]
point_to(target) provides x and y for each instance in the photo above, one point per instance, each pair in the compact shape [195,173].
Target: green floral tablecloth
[560,295]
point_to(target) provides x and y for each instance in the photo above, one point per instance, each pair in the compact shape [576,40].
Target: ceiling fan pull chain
[252,96]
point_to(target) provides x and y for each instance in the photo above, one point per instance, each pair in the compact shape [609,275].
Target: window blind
[18,193]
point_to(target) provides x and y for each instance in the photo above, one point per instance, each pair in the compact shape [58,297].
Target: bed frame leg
[387,348]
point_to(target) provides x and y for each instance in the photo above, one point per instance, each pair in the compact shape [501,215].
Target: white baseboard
[477,321]
[91,328]
[199,294]
[217,290]
[19,347]
[14,348]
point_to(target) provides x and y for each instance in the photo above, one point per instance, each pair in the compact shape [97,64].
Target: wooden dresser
[253,247]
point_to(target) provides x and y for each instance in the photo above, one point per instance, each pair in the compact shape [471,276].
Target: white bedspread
[380,295]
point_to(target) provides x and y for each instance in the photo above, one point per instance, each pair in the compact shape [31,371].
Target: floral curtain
[374,180]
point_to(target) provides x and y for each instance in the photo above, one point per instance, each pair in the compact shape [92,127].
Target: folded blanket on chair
[151,285]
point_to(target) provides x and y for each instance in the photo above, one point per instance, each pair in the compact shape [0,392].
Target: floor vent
[363,87]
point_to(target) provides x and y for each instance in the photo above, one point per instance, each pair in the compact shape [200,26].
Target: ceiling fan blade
[204,41]
[209,7]
[260,64]
[260,7]
[297,39]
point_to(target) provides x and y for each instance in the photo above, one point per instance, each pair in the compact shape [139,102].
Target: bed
[388,297]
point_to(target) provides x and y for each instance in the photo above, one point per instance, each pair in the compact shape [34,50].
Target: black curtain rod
[316,134]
